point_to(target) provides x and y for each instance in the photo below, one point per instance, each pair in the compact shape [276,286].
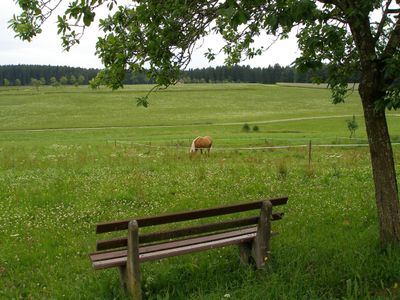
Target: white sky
[46,49]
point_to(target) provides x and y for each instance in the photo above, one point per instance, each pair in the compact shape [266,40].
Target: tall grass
[53,196]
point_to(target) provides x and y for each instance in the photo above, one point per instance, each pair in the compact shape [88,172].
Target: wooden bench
[251,233]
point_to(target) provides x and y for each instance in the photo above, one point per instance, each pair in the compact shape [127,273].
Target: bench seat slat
[110,263]
[148,256]
[196,240]
[96,256]
[197,247]
[114,258]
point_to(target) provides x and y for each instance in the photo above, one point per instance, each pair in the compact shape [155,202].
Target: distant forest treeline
[23,74]
[271,74]
[63,75]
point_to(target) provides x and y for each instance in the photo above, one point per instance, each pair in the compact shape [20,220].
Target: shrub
[310,172]
[352,126]
[246,127]
[282,169]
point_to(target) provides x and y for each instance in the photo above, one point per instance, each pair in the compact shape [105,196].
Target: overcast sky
[46,49]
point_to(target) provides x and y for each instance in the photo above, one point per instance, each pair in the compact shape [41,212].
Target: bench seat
[116,258]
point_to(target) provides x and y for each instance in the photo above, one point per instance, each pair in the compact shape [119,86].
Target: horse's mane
[193,147]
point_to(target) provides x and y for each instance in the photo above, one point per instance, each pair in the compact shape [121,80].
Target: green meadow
[71,157]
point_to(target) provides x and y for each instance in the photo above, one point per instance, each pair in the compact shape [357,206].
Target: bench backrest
[185,216]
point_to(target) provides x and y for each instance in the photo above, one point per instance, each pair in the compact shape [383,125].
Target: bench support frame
[258,251]
[130,274]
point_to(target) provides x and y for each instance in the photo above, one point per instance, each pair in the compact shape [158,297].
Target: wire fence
[255,148]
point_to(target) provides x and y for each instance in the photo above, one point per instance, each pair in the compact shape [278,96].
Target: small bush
[256,128]
[246,127]
[352,126]
[310,172]
[282,169]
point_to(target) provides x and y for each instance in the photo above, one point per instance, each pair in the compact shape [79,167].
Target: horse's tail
[210,139]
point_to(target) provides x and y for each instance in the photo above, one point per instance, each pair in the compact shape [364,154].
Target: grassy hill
[180,111]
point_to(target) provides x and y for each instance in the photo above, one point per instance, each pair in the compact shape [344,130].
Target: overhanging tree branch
[383,21]
[394,40]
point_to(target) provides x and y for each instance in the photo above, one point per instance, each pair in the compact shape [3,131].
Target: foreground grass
[327,248]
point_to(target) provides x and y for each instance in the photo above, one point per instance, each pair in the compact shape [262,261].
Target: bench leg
[260,247]
[245,252]
[132,264]
[123,278]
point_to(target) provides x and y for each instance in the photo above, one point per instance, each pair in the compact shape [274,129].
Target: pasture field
[72,157]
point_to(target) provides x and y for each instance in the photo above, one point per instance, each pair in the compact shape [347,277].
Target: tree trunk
[384,174]
[372,90]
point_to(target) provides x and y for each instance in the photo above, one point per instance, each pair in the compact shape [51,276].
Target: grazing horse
[200,143]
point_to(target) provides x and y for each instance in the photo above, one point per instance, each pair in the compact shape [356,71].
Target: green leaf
[240,17]
[142,101]
[88,18]
[227,12]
